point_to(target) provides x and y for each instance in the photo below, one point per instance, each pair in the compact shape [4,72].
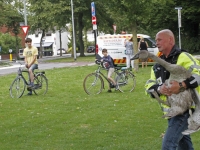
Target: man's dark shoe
[109,91]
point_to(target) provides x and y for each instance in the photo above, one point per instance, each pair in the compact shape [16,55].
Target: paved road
[42,65]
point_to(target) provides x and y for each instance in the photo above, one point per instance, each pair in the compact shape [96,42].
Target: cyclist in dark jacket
[109,66]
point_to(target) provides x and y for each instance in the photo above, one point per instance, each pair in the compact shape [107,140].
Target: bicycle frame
[99,73]
[17,88]
[19,73]
[94,82]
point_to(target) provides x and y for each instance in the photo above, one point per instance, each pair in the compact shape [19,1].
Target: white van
[115,46]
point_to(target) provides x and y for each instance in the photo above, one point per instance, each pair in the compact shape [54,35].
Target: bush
[7,42]
[192,45]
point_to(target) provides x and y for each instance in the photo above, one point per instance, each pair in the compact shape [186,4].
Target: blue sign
[93,11]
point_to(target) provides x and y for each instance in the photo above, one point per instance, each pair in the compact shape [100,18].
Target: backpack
[113,62]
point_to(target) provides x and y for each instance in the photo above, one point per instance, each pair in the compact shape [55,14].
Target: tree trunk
[41,42]
[80,33]
[17,47]
[135,44]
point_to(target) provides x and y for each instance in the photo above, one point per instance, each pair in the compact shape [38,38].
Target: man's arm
[138,45]
[191,64]
[25,61]
[147,44]
[34,58]
[151,84]
[25,58]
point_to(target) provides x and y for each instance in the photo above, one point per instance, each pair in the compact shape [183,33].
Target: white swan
[180,102]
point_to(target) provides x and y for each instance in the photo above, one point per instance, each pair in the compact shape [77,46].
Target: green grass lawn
[66,118]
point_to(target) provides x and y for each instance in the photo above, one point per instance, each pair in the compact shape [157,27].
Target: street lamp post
[179,24]
[74,44]
[25,18]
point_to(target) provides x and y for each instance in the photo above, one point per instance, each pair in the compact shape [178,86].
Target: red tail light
[97,49]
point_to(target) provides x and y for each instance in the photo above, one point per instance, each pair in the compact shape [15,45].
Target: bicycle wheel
[126,82]
[93,84]
[40,84]
[17,87]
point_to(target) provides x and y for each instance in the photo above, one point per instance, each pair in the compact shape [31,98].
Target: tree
[10,17]
[40,18]
[7,42]
[128,15]
[165,16]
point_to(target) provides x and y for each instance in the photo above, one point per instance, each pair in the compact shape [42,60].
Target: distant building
[51,41]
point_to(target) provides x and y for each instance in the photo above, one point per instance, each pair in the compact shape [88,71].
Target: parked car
[90,49]
[63,51]
[20,54]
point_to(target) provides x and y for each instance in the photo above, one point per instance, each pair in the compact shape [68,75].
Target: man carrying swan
[165,41]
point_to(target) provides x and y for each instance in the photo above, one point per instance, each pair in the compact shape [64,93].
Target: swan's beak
[135,57]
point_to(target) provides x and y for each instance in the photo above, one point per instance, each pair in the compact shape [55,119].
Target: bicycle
[20,83]
[94,83]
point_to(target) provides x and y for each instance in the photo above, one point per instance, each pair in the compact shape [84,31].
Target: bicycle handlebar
[18,62]
[98,62]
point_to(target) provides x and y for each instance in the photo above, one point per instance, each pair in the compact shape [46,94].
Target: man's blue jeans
[173,138]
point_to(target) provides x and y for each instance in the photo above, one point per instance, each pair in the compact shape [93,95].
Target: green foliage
[164,15]
[133,17]
[7,42]
[46,15]
[10,17]
[67,118]
[192,45]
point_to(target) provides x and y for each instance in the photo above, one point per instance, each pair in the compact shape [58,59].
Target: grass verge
[4,64]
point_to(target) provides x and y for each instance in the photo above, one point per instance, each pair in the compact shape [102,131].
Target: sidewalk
[40,60]
[42,64]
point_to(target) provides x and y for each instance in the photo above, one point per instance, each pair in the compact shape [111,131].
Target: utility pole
[74,42]
[179,24]
[25,18]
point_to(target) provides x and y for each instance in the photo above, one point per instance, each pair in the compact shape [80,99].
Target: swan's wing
[196,98]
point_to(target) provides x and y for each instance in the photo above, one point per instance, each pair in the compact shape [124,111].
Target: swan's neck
[162,62]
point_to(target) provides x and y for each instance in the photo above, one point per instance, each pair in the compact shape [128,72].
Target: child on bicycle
[30,57]
[110,66]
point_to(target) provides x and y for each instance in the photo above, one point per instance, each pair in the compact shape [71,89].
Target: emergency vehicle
[115,46]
